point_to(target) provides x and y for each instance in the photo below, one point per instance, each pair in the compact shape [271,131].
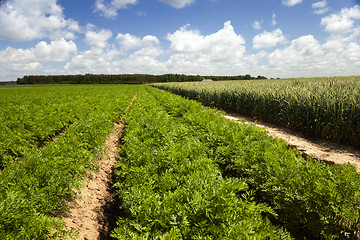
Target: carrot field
[184,172]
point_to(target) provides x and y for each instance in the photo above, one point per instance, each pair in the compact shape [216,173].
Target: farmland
[40,173]
[31,117]
[328,108]
[184,172]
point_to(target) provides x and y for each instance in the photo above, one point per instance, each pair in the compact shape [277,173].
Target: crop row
[35,191]
[327,108]
[31,117]
[171,189]
[169,179]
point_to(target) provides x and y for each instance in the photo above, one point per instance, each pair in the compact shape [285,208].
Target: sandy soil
[93,213]
[323,150]
[88,215]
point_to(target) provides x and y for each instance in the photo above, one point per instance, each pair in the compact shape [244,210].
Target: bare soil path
[322,149]
[88,215]
[93,213]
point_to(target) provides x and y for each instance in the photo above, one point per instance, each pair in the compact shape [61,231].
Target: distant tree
[261,77]
[247,77]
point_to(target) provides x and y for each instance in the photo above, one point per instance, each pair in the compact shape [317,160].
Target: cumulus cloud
[130,42]
[320,7]
[145,60]
[306,57]
[178,3]
[256,24]
[269,39]
[190,52]
[56,51]
[352,51]
[291,3]
[34,19]
[342,22]
[304,54]
[92,61]
[193,52]
[222,42]
[15,70]
[112,61]
[13,55]
[133,55]
[97,39]
[109,10]
[320,4]
[16,62]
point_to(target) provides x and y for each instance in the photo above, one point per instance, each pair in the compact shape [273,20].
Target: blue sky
[274,38]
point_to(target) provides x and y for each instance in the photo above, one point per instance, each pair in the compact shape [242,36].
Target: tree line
[123,78]
[239,77]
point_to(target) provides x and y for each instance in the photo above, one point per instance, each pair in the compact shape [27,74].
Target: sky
[272,38]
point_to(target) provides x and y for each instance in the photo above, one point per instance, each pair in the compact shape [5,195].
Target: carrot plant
[34,192]
[171,189]
[313,200]
[31,117]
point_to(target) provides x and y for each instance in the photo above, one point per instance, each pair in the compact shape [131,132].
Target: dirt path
[88,214]
[323,150]
[94,212]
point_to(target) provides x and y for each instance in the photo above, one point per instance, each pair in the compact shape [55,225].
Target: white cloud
[130,42]
[109,10]
[144,61]
[307,57]
[18,62]
[189,53]
[342,22]
[221,42]
[256,25]
[113,60]
[320,4]
[352,51]
[320,7]
[291,3]
[97,39]
[273,22]
[34,19]
[56,51]
[13,55]
[304,54]
[321,11]
[192,52]
[178,3]
[269,39]
[95,60]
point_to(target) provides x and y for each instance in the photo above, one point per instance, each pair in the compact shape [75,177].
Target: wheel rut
[93,213]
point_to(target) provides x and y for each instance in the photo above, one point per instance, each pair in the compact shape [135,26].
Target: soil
[90,215]
[94,211]
[323,150]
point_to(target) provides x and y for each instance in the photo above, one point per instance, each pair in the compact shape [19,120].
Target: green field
[184,171]
[328,108]
[31,116]
[51,137]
